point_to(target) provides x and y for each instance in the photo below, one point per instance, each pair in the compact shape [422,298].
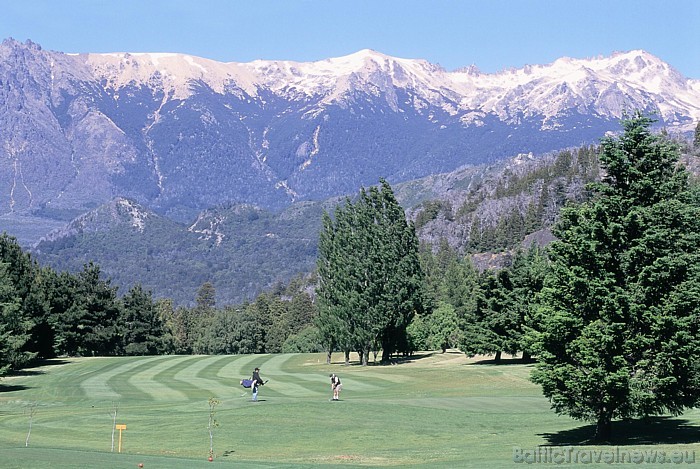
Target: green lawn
[436,410]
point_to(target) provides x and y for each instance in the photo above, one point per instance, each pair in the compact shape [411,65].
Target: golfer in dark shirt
[257,381]
[336,385]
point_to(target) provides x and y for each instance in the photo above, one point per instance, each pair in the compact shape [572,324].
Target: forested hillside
[243,250]
[240,249]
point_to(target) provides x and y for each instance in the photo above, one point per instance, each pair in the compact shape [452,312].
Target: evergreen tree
[206,297]
[443,327]
[37,305]
[247,334]
[223,333]
[618,314]
[86,321]
[142,330]
[333,321]
[199,321]
[183,325]
[527,273]
[302,312]
[13,325]
[22,309]
[487,327]
[369,274]
[166,314]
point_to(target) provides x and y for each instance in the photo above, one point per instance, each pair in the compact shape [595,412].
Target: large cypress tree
[619,312]
[370,275]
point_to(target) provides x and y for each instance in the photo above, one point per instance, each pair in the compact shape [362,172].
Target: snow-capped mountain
[179,133]
[586,85]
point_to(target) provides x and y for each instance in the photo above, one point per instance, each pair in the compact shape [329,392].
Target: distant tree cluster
[529,201]
[45,314]
[482,313]
[277,321]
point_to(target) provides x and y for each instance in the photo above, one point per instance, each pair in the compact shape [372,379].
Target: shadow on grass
[393,361]
[400,360]
[502,361]
[647,431]
[12,388]
[48,362]
[30,370]
[25,372]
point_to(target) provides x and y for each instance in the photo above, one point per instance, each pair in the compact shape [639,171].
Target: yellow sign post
[120,427]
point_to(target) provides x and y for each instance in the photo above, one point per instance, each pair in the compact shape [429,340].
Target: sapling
[32,411]
[115,408]
[213,402]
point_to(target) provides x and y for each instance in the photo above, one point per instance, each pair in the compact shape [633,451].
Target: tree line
[47,314]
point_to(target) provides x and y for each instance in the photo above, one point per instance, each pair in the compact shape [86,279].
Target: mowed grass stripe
[238,367]
[269,370]
[296,384]
[97,386]
[290,384]
[192,375]
[358,378]
[155,381]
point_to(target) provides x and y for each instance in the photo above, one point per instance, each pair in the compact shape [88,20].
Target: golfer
[257,381]
[336,386]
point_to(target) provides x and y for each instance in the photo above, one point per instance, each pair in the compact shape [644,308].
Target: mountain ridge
[179,134]
[633,68]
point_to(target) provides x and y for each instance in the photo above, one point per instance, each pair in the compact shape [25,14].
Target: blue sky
[491,34]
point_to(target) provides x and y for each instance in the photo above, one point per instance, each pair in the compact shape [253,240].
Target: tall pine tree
[619,312]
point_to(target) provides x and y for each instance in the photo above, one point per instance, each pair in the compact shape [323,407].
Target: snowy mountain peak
[606,86]
[361,57]
[175,73]
[587,85]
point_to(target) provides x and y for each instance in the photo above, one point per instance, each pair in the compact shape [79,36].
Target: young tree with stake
[213,423]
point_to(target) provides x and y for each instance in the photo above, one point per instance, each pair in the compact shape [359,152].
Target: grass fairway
[436,410]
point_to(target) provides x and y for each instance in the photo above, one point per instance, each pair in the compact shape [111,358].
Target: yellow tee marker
[120,427]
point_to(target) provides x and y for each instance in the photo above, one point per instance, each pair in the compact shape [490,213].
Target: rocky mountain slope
[243,249]
[179,134]
[483,210]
